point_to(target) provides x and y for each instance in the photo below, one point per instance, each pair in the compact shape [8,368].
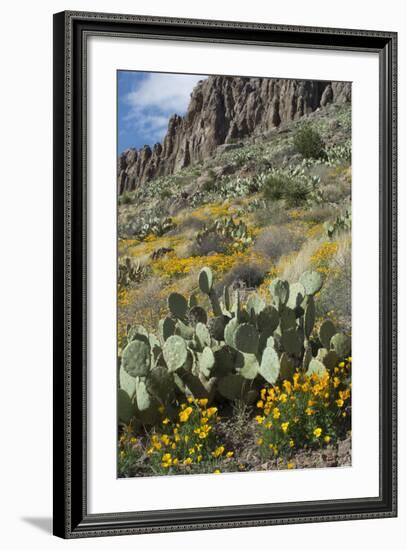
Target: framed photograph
[224,274]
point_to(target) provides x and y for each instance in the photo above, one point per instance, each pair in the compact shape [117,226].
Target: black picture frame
[71,519]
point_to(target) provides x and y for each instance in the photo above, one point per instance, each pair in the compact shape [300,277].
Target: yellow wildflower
[276,413]
[218,451]
[317,432]
[187,461]
[284,426]
[185,414]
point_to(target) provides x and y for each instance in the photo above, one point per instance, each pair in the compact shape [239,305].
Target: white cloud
[156,99]
[166,92]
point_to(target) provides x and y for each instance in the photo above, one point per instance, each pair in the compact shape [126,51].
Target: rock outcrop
[222,110]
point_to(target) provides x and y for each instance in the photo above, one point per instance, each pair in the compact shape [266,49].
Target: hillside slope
[222,110]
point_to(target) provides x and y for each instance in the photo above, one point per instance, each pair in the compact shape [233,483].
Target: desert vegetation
[234,307]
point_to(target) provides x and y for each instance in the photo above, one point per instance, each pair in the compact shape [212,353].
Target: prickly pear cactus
[227,352]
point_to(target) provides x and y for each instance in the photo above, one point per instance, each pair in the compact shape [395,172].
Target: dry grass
[276,241]
[293,266]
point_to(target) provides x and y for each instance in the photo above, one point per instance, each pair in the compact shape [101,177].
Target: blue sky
[145,103]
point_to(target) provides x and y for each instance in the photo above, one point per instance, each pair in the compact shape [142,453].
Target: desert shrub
[247,275]
[294,187]
[210,243]
[335,299]
[318,214]
[272,213]
[125,198]
[189,223]
[308,142]
[274,188]
[335,192]
[148,305]
[275,241]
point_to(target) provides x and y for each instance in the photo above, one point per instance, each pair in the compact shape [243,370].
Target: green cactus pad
[206,361]
[236,305]
[309,317]
[307,358]
[125,408]
[127,382]
[183,330]
[326,331]
[255,304]
[296,295]
[322,352]
[230,330]
[197,314]
[279,290]
[160,384]
[331,360]
[270,365]
[341,344]
[175,353]
[178,305]
[137,332]
[143,398]
[136,358]
[247,338]
[247,365]
[226,298]
[193,300]
[232,387]
[311,281]
[291,342]
[316,367]
[202,335]
[195,386]
[288,320]
[287,368]
[216,327]
[224,360]
[268,320]
[205,280]
[166,327]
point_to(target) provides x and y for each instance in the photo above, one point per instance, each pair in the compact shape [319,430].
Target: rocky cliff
[223,109]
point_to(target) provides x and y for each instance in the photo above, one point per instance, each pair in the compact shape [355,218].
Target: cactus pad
[247,338]
[175,352]
[178,305]
[270,365]
[125,409]
[205,279]
[312,282]
[341,344]
[326,331]
[136,358]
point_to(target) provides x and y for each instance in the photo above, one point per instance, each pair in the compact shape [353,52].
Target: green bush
[294,191]
[309,143]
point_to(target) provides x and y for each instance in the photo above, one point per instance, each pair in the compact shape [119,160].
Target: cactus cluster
[228,229]
[129,271]
[229,354]
[340,224]
[152,225]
